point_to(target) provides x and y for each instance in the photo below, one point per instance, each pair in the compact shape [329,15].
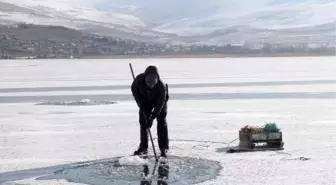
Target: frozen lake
[211,99]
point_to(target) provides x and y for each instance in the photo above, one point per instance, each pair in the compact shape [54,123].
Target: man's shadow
[163,173]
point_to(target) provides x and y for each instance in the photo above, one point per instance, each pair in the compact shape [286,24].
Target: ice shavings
[132,160]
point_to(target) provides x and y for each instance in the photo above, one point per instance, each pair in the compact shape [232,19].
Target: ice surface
[33,181]
[65,73]
[132,160]
[54,137]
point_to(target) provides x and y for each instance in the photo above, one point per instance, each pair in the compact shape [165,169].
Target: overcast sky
[223,5]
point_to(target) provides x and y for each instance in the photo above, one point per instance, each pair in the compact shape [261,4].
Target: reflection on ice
[162,174]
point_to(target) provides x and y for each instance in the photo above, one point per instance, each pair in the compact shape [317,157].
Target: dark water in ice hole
[174,171]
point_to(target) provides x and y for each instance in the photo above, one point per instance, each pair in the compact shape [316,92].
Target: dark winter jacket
[145,97]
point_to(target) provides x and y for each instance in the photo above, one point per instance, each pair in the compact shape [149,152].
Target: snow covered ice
[211,99]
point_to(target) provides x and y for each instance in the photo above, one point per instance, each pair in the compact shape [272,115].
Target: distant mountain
[76,18]
[194,17]
[190,21]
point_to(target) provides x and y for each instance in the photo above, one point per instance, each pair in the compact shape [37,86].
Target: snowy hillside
[190,18]
[74,15]
[69,13]
[193,17]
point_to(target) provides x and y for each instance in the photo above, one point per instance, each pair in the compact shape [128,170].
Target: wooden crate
[249,139]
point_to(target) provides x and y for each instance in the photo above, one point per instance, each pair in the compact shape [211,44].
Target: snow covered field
[211,99]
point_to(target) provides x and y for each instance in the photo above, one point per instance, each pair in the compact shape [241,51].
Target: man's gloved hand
[150,120]
[151,116]
[150,123]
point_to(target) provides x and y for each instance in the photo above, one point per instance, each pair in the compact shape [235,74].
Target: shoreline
[187,56]
[212,55]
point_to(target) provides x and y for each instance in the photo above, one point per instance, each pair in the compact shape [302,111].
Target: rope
[203,141]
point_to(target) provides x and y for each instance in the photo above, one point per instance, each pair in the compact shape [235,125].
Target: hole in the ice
[44,113]
[172,171]
[60,112]
[83,102]
[216,112]
[303,158]
[25,113]
[297,159]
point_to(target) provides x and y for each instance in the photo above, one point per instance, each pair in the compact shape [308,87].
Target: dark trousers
[162,128]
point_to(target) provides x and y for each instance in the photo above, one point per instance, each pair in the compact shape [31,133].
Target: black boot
[164,153]
[141,151]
